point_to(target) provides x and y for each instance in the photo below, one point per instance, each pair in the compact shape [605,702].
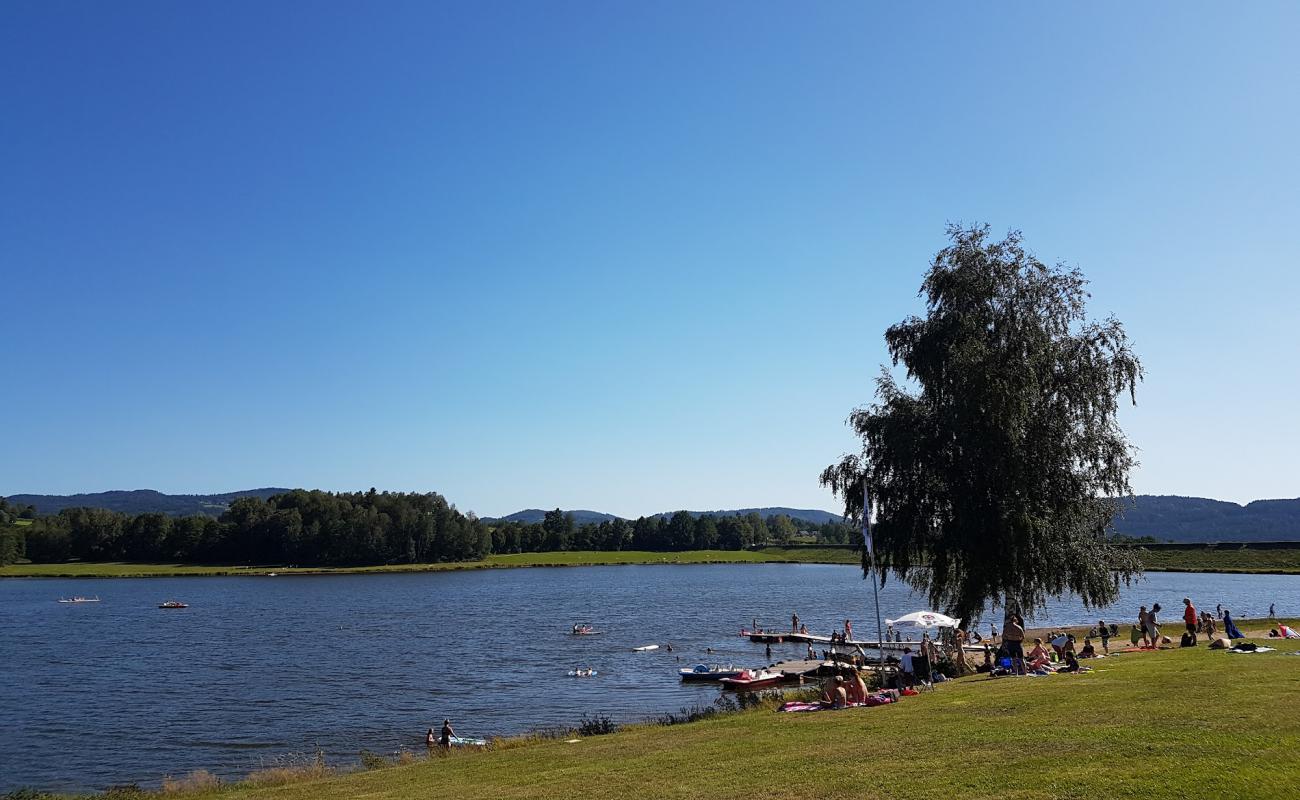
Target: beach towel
[1258,649]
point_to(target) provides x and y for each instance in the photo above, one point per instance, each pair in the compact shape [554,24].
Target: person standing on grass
[1153,626]
[906,669]
[1189,617]
[1105,636]
[1013,639]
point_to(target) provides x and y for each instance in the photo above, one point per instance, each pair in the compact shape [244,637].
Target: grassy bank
[1174,724]
[1223,558]
[559,559]
[1193,558]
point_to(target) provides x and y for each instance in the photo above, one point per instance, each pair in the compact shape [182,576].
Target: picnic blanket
[1260,649]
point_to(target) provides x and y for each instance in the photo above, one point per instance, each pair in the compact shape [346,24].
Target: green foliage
[993,472]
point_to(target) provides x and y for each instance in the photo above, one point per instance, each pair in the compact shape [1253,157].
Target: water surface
[257,667]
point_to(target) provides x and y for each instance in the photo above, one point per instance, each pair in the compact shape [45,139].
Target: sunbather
[1038,657]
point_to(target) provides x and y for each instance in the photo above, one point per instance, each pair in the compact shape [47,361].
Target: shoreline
[771,555]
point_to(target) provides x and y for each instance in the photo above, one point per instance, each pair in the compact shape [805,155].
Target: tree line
[368,528]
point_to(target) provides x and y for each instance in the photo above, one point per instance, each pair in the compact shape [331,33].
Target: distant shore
[1192,558]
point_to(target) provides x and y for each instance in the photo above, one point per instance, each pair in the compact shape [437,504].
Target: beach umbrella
[924,619]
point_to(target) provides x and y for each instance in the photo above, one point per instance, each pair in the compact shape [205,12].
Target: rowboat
[703,672]
[173,604]
[752,679]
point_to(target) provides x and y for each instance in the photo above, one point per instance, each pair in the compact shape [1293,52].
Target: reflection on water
[260,667]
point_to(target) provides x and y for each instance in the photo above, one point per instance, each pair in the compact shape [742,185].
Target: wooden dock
[771,637]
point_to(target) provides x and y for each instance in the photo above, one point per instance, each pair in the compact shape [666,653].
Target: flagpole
[875,587]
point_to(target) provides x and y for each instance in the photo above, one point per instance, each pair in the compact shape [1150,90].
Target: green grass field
[1223,558]
[1173,724]
[1190,559]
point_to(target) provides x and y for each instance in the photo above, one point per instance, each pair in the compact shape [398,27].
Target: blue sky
[630,257]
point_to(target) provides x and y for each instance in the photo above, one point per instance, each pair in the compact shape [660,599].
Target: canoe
[645,647]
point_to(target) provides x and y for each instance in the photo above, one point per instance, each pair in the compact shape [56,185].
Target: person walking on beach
[1272,611]
[1105,636]
[447,734]
[1142,626]
[1189,617]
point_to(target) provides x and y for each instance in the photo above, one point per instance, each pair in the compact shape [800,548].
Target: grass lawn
[1175,724]
[1223,558]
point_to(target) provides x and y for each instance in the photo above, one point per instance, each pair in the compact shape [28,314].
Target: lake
[260,668]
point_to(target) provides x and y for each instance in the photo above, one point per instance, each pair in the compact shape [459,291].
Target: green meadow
[1174,724]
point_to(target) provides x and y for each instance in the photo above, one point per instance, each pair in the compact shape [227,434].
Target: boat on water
[588,672]
[79,599]
[173,604]
[645,647]
[704,672]
[752,679]
[584,629]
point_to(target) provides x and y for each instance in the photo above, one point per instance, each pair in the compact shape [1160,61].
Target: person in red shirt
[1189,617]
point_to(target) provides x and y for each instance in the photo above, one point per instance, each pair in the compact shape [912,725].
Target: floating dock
[771,637]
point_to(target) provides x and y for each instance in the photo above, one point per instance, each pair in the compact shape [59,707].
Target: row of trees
[322,528]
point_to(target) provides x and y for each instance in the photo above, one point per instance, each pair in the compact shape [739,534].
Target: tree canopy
[993,469]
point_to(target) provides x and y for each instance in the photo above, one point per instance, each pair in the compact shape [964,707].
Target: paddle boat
[752,679]
[704,672]
[79,599]
[173,604]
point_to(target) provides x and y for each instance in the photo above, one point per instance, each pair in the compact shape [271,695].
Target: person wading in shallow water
[447,733]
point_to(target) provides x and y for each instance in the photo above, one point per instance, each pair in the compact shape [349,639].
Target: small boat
[704,672]
[79,599]
[467,741]
[643,648]
[584,629]
[583,673]
[173,604]
[752,679]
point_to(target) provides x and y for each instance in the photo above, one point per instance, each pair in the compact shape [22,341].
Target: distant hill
[141,501]
[532,515]
[1197,519]
[1163,517]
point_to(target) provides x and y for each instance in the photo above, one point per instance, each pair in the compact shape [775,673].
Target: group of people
[844,689]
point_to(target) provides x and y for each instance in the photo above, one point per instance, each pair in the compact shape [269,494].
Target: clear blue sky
[622,256]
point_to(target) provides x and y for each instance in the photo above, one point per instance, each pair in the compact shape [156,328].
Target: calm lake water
[258,668]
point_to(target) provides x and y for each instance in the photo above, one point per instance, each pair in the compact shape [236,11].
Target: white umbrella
[924,619]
